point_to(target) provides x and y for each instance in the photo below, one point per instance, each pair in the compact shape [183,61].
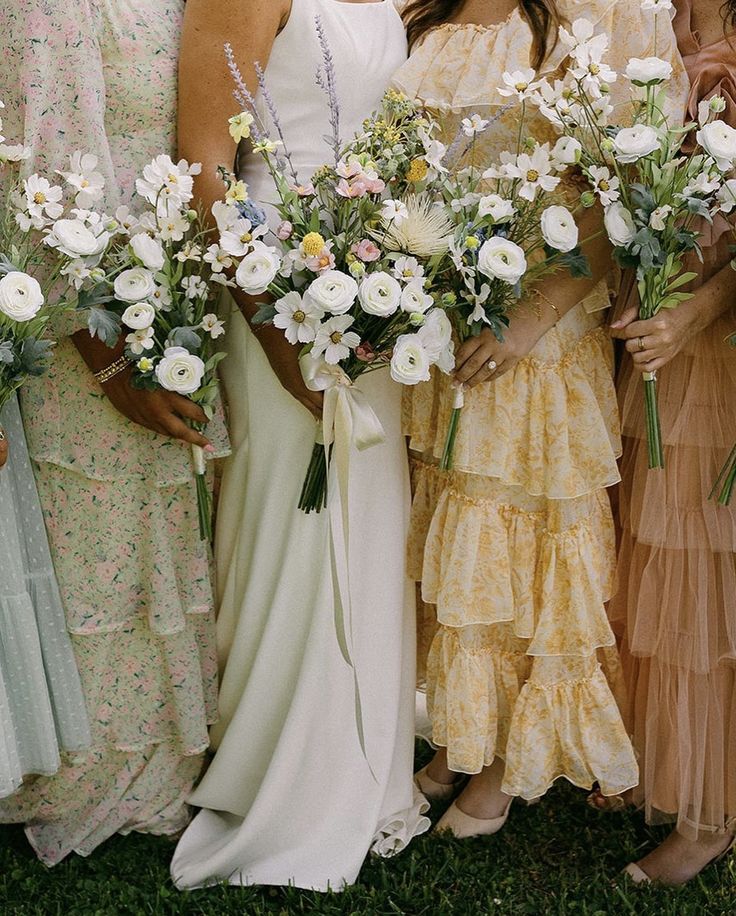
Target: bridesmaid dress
[42,710]
[289,797]
[677,558]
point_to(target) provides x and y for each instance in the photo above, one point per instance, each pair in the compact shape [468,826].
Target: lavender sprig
[327,82]
[273,112]
[242,94]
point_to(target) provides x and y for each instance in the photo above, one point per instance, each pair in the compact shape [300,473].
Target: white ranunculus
[727,195]
[21,297]
[559,228]
[180,371]
[498,208]
[566,151]
[134,285]
[73,238]
[258,269]
[380,294]
[139,316]
[718,139]
[502,259]
[149,251]
[633,143]
[333,292]
[436,334]
[410,362]
[619,224]
[648,70]
[415,299]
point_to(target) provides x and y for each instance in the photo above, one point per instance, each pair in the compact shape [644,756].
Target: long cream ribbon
[348,421]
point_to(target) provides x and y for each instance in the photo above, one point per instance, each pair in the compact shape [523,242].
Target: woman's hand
[653,342]
[284,360]
[161,411]
[484,358]
[3,448]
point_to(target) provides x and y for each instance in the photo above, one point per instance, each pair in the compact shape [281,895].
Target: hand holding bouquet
[652,191]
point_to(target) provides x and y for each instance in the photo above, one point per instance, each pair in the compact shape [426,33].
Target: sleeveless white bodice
[368,44]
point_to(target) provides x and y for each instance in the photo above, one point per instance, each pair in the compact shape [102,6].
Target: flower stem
[726,480]
[654,432]
[448,453]
[204,507]
[314,492]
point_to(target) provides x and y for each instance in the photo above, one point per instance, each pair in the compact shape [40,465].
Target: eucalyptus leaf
[185,337]
[265,314]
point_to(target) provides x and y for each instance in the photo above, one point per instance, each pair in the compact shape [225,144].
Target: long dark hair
[422,15]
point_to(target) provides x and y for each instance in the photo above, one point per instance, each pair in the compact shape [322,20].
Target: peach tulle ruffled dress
[676,605]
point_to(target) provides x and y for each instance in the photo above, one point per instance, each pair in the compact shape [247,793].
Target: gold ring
[641,344]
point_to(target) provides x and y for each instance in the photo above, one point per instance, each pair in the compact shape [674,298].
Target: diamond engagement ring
[492,365]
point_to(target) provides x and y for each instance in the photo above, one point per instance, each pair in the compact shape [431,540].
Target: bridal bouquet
[353,253]
[652,192]
[156,279]
[30,208]
[510,229]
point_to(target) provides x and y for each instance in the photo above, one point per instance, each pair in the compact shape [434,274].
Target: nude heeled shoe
[432,790]
[463,826]
[639,876]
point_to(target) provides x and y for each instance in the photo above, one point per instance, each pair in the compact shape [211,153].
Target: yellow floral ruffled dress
[515,549]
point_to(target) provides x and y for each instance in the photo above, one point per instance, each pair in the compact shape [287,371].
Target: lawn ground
[559,857]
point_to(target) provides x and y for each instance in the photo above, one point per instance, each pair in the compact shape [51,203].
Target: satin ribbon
[348,422]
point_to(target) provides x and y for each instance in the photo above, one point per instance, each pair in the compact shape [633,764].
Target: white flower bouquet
[510,229]
[652,191]
[156,279]
[347,272]
[29,209]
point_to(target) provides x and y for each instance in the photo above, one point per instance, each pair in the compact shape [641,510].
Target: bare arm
[3,447]
[531,321]
[206,103]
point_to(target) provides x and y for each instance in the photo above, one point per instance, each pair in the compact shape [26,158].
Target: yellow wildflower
[313,244]
[240,126]
[417,171]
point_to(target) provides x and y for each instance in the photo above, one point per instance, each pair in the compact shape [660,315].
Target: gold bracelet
[104,375]
[549,302]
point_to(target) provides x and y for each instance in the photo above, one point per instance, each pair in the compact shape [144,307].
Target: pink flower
[366,251]
[365,352]
[303,190]
[325,260]
[285,230]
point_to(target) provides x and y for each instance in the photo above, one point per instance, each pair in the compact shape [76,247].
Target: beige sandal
[463,826]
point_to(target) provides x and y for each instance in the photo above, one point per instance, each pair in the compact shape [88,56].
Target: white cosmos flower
[559,228]
[14,152]
[534,173]
[298,318]
[126,220]
[333,291]
[149,251]
[703,185]
[134,285]
[415,299]
[425,231]
[180,371]
[619,224]
[502,259]
[410,362]
[167,185]
[334,340]
[75,239]
[582,30]
[21,297]
[171,227]
[84,177]
[42,198]
[380,294]
[226,215]
[519,83]
[436,337]
[140,341]
[238,238]
[194,287]
[140,316]
[633,143]
[498,208]
[605,185]
[566,152]
[258,269]
[212,325]
[648,71]
[76,271]
[727,195]
[218,259]
[718,139]
[587,51]
[394,212]
[434,151]
[658,218]
[407,268]
[474,125]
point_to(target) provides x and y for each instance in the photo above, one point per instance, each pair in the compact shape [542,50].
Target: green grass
[559,857]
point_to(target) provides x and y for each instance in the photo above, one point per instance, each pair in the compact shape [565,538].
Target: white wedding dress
[290,797]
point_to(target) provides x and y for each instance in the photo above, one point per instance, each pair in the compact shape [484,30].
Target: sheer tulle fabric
[677,557]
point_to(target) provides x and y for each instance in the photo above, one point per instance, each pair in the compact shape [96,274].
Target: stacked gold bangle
[104,375]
